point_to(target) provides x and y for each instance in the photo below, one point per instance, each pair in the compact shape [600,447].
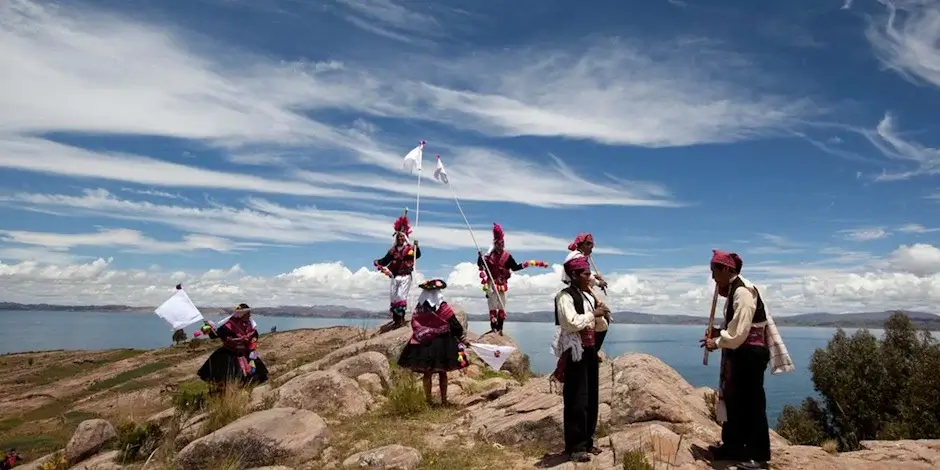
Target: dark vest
[587,334]
[759,315]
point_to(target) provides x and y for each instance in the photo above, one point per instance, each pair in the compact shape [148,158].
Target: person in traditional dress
[399,262]
[437,339]
[576,313]
[582,247]
[745,355]
[500,265]
[11,459]
[237,361]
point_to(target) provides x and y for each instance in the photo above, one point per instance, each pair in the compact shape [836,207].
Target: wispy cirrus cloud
[864,234]
[924,159]
[916,229]
[907,39]
[776,244]
[121,238]
[92,72]
[391,20]
[614,92]
[259,221]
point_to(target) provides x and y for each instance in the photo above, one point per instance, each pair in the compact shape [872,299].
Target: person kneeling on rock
[437,338]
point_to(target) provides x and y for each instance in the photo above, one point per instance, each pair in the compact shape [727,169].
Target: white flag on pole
[412,161]
[179,311]
[493,355]
[439,173]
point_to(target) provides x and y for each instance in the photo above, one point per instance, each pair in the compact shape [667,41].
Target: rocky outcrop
[327,392]
[89,437]
[369,362]
[391,457]
[648,408]
[264,438]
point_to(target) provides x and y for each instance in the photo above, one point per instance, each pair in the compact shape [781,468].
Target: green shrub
[870,389]
[137,441]
[636,460]
[405,395]
[191,396]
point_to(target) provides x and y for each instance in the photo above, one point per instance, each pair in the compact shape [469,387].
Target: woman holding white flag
[237,360]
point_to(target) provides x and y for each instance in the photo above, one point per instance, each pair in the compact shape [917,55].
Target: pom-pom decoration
[197,334]
[498,234]
[534,263]
[402,225]
[411,252]
[462,355]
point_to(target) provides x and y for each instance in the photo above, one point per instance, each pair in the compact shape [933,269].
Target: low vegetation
[870,389]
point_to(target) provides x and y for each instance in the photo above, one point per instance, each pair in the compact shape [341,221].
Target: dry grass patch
[831,446]
[225,408]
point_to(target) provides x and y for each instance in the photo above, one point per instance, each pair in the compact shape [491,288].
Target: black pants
[580,394]
[746,435]
[599,339]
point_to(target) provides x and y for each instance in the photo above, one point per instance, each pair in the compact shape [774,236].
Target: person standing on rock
[745,355]
[499,264]
[582,247]
[398,263]
[437,338]
[576,312]
[237,361]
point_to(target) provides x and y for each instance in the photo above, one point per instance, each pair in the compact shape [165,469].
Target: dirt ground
[46,394]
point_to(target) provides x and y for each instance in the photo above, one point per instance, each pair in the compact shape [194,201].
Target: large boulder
[327,392]
[264,438]
[90,436]
[369,362]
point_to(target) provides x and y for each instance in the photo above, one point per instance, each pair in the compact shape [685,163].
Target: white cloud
[382,17]
[44,156]
[916,228]
[263,221]
[88,71]
[907,40]
[787,289]
[777,244]
[919,259]
[887,139]
[614,92]
[864,234]
[119,238]
[480,174]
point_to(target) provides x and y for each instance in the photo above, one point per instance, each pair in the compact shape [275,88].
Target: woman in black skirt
[436,339]
[237,360]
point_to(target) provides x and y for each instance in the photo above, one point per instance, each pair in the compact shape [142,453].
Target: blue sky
[254,151]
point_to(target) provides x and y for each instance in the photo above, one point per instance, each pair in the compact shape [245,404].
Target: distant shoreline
[872,320]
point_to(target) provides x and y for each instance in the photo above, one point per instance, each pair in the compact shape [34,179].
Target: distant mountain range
[845,320]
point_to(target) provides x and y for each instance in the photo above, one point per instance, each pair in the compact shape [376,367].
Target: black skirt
[223,366]
[441,354]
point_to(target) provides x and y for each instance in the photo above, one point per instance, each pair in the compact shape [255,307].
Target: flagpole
[486,268]
[417,216]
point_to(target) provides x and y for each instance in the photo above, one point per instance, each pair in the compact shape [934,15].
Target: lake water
[675,345]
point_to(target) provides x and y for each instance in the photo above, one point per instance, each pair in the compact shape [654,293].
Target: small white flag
[439,173]
[179,311]
[493,355]
[413,159]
